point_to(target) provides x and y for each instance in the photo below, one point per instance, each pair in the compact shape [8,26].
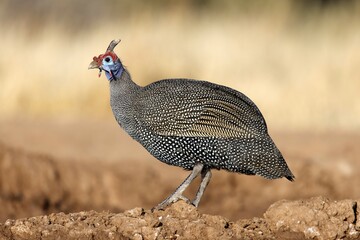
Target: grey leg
[178,193]
[205,179]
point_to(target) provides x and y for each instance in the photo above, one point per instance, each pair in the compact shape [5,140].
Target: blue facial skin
[113,70]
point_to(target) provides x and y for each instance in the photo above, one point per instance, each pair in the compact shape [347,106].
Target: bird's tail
[289,175]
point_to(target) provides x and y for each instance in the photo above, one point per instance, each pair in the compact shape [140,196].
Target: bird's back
[183,122]
[183,107]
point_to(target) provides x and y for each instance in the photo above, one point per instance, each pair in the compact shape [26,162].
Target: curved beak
[93,65]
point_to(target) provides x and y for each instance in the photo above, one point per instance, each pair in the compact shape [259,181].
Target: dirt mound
[316,218]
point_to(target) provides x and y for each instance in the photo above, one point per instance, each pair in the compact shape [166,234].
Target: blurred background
[298,60]
[61,149]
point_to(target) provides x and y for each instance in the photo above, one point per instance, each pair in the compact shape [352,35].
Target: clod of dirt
[316,218]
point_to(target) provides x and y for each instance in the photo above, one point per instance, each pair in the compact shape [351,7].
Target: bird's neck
[123,86]
[123,92]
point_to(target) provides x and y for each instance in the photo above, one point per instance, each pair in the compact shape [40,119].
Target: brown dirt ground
[69,166]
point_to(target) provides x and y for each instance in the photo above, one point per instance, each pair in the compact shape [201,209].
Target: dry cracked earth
[88,180]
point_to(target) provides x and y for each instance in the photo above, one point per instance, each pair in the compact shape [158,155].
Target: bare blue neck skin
[114,71]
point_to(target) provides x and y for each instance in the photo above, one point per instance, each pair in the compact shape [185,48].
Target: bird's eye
[107,60]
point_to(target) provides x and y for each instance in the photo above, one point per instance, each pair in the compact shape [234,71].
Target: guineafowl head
[109,62]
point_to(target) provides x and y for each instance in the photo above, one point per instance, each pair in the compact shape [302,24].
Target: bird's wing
[197,109]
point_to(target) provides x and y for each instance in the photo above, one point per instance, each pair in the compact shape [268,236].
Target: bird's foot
[171,199]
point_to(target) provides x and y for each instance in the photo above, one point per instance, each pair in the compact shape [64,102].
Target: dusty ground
[314,218]
[48,167]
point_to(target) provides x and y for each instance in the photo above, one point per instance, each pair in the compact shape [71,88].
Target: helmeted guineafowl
[196,125]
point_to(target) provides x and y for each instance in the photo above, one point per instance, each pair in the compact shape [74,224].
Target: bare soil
[51,169]
[315,218]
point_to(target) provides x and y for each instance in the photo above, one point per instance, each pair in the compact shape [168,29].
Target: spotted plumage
[196,125]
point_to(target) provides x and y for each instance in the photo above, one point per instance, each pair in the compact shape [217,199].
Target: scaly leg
[179,191]
[205,179]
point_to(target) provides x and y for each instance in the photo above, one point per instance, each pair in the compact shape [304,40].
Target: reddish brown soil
[314,218]
[48,167]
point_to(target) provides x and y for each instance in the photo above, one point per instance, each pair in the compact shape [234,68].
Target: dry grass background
[300,63]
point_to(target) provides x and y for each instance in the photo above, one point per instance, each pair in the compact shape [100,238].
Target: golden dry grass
[302,75]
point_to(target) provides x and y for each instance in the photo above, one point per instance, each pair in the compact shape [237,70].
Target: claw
[170,200]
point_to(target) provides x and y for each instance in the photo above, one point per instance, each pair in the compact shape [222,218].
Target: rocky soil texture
[315,218]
